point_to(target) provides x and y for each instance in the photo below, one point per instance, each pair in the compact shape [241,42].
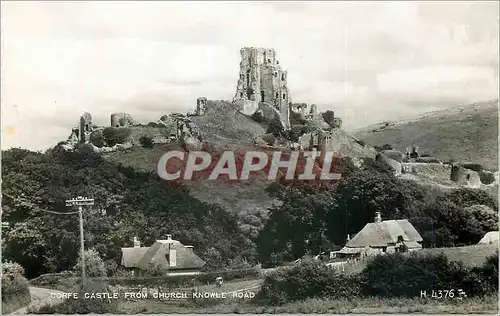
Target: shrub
[146,142]
[487,177]
[94,265]
[15,291]
[97,138]
[258,117]
[309,279]
[153,124]
[275,127]
[116,135]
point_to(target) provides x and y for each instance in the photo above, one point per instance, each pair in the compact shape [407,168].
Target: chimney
[378,218]
[137,243]
[348,238]
[169,237]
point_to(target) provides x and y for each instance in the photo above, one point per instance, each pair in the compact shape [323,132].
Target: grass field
[471,256]
[487,305]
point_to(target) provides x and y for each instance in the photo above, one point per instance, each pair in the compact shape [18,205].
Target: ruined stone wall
[85,127]
[261,79]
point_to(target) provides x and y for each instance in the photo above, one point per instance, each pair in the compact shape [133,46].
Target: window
[269,60]
[262,96]
[275,74]
[167,257]
[277,95]
[284,96]
[241,94]
[282,77]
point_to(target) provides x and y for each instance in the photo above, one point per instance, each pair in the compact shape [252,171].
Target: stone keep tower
[263,80]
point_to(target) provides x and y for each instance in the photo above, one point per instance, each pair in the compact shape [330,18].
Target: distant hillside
[463,133]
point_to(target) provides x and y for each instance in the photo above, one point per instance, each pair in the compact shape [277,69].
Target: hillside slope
[223,128]
[463,133]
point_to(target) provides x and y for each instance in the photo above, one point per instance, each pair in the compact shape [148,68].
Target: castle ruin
[262,81]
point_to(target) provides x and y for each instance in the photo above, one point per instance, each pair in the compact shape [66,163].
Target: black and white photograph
[249,157]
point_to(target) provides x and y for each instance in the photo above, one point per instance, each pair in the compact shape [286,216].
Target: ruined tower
[263,81]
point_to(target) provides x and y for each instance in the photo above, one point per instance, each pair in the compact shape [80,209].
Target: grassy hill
[463,133]
[221,120]
[223,128]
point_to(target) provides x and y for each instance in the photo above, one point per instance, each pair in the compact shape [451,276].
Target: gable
[185,258]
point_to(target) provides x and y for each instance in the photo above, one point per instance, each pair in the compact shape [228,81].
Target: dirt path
[39,297]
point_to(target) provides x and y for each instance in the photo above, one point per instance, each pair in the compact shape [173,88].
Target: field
[471,256]
[487,305]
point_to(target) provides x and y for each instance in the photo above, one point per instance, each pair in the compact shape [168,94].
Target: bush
[97,138]
[94,265]
[146,142]
[116,135]
[15,290]
[309,279]
[487,177]
[402,275]
[258,117]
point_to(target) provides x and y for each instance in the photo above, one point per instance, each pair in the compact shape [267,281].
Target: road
[39,297]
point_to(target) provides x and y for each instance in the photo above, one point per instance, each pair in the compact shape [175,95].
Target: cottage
[489,238]
[382,237]
[169,254]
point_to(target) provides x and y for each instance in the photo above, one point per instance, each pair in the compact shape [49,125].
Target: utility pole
[81,202]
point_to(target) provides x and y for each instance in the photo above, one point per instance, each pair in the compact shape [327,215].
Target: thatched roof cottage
[169,254]
[383,237]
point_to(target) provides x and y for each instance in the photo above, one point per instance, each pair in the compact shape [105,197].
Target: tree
[94,265]
[146,142]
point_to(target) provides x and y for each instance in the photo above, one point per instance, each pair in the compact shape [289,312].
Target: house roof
[490,237]
[384,233]
[130,256]
[142,257]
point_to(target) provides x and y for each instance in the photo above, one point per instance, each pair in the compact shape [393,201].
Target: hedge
[395,275]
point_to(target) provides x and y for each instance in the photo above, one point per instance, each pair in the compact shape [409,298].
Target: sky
[367,61]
